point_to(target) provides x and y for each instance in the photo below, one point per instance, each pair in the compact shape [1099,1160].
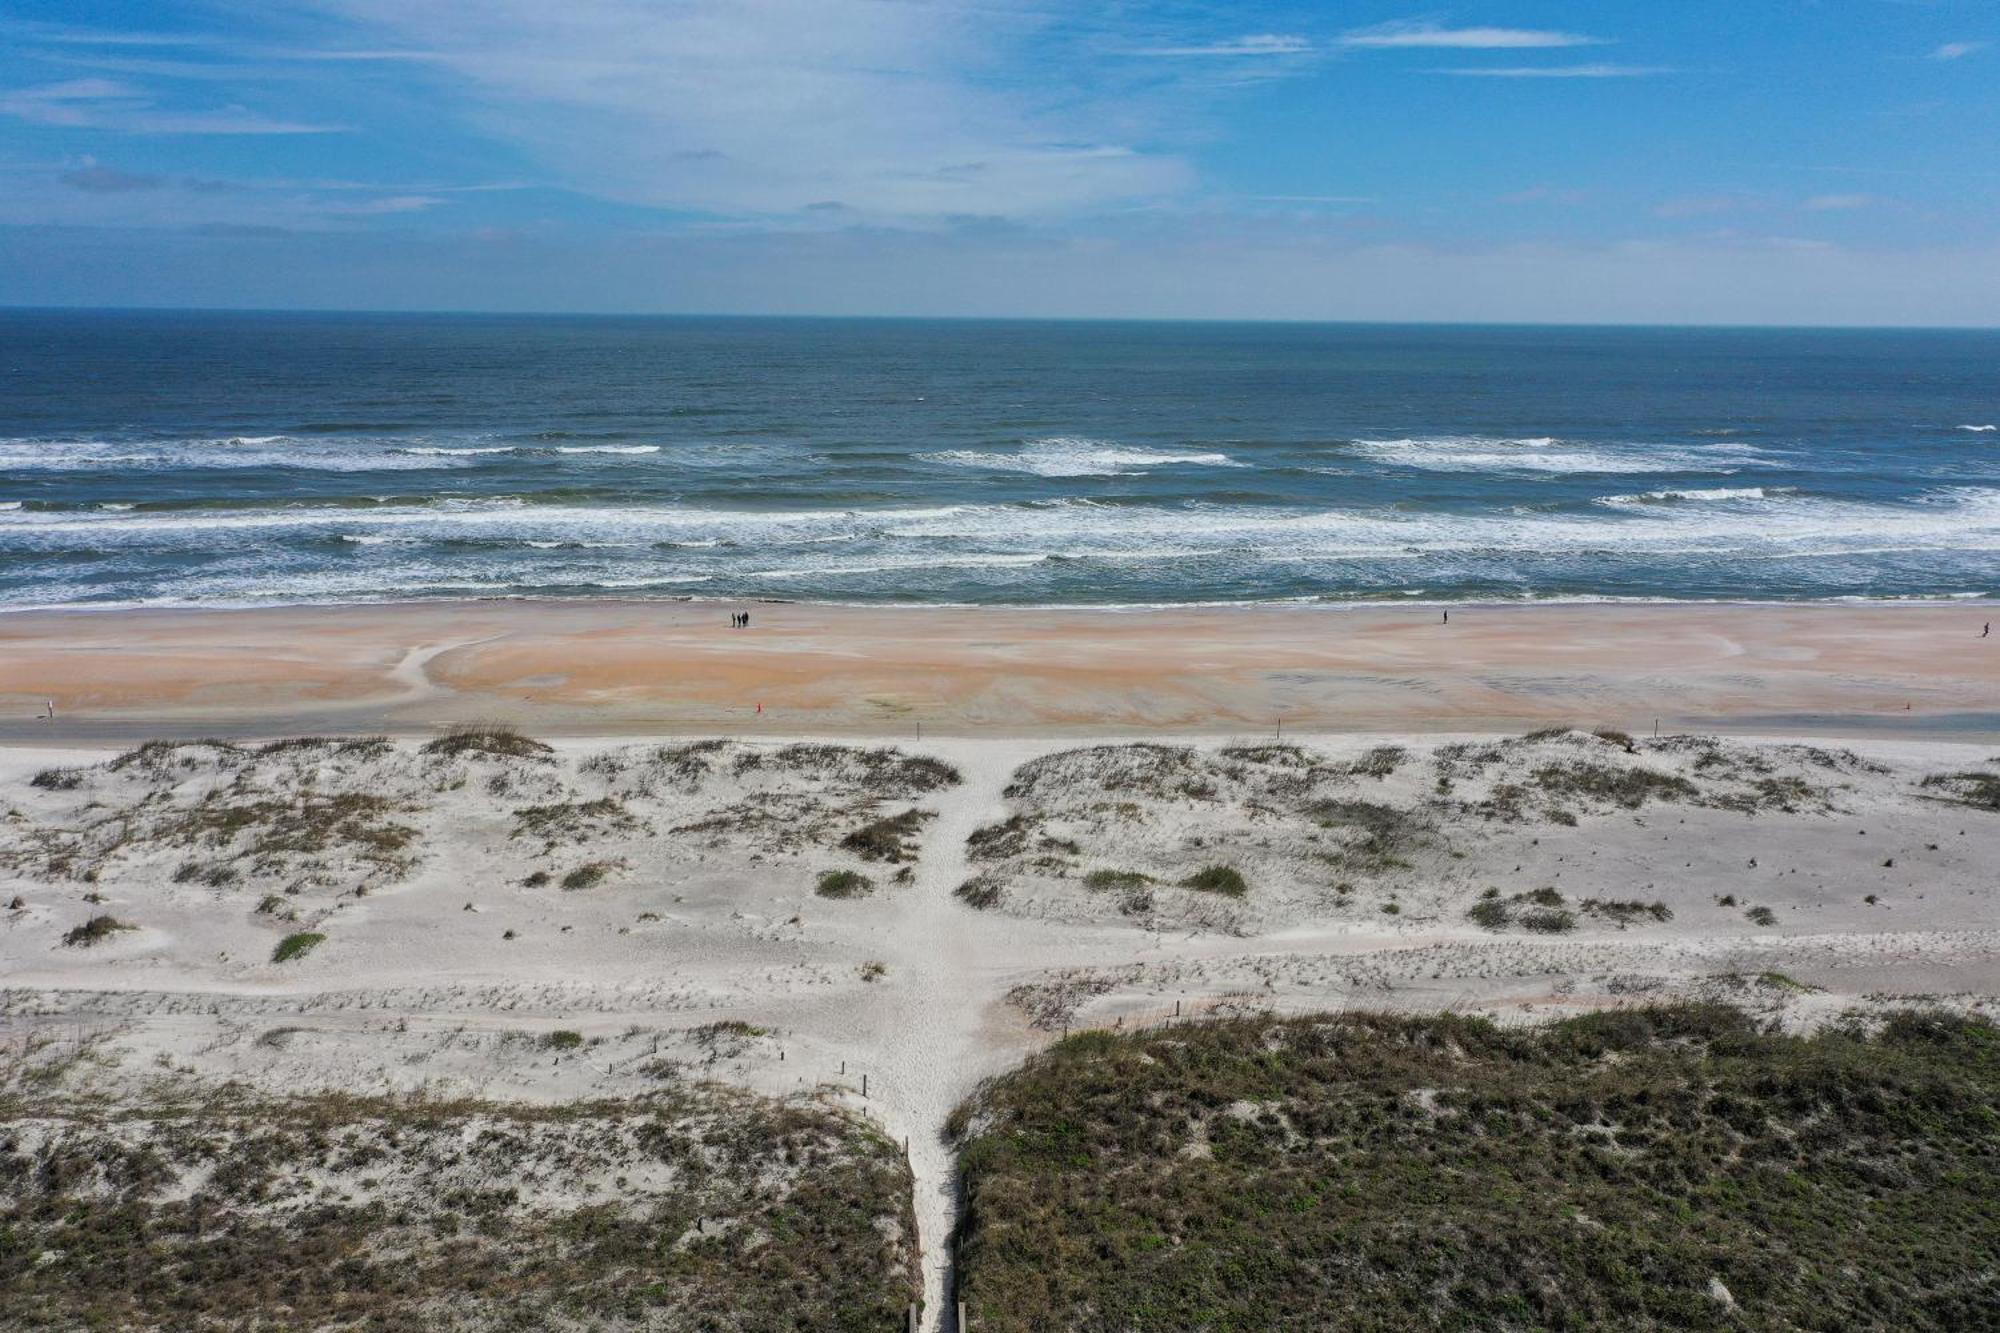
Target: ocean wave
[1980,429]
[1069,456]
[1542,453]
[608,449]
[1714,493]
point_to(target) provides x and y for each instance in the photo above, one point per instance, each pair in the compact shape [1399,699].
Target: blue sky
[1763,161]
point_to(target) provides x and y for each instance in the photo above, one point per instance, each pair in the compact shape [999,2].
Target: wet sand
[598,668]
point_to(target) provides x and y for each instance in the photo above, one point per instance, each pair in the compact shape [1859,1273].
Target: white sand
[413,991]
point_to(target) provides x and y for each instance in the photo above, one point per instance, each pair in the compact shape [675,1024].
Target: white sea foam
[439,451]
[1542,453]
[1700,495]
[1069,456]
[1980,429]
[608,449]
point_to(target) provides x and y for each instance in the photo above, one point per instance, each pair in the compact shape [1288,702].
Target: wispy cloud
[1553,71]
[1958,50]
[717,106]
[1257,44]
[1432,36]
[1837,203]
[108,104]
[94,179]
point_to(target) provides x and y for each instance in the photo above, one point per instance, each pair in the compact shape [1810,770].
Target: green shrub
[1225,880]
[843,884]
[1762,916]
[94,931]
[296,945]
[981,891]
[1109,881]
[587,876]
[563,1039]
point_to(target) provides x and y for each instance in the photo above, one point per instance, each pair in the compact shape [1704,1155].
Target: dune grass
[1642,1169]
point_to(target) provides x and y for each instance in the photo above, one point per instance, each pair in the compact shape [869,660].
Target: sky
[1625,161]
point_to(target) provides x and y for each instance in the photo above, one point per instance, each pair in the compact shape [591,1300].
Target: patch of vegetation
[1980,790]
[1640,1169]
[488,741]
[884,773]
[573,821]
[874,970]
[843,884]
[1116,881]
[297,945]
[1225,880]
[1542,911]
[998,842]
[1627,788]
[1379,762]
[1625,911]
[563,1039]
[981,891]
[588,875]
[1761,916]
[163,756]
[59,779]
[691,1208]
[890,838]
[94,931]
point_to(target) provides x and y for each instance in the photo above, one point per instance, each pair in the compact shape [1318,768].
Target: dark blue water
[233,458]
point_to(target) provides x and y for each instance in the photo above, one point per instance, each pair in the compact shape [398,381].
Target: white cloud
[1836,203]
[1432,36]
[1554,71]
[757,107]
[108,104]
[1257,44]
[1957,50]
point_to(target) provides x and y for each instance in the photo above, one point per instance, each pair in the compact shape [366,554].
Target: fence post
[913,1317]
[961,1317]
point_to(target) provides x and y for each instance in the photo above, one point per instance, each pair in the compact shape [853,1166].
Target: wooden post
[961,1317]
[864,1085]
[913,1317]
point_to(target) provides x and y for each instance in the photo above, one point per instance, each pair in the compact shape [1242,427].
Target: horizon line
[1297,321]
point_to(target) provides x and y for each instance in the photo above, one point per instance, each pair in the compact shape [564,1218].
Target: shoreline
[592,667]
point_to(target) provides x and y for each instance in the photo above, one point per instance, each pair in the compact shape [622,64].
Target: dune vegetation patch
[1662,1168]
[693,1208]
[488,741]
[95,931]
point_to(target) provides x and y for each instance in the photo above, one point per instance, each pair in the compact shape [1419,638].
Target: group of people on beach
[740,620]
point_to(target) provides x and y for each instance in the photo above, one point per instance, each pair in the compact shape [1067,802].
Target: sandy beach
[609,668]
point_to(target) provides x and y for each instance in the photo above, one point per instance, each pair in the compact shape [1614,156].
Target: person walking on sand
[1446,620]
[746,620]
[1987,631]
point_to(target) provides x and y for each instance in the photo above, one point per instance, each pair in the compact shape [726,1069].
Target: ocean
[225,459]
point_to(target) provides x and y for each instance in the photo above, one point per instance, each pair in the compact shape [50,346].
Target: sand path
[934,1014]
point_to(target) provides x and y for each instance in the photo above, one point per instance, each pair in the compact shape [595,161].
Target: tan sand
[659,667]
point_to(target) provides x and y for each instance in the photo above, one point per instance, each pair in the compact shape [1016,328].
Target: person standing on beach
[746,620]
